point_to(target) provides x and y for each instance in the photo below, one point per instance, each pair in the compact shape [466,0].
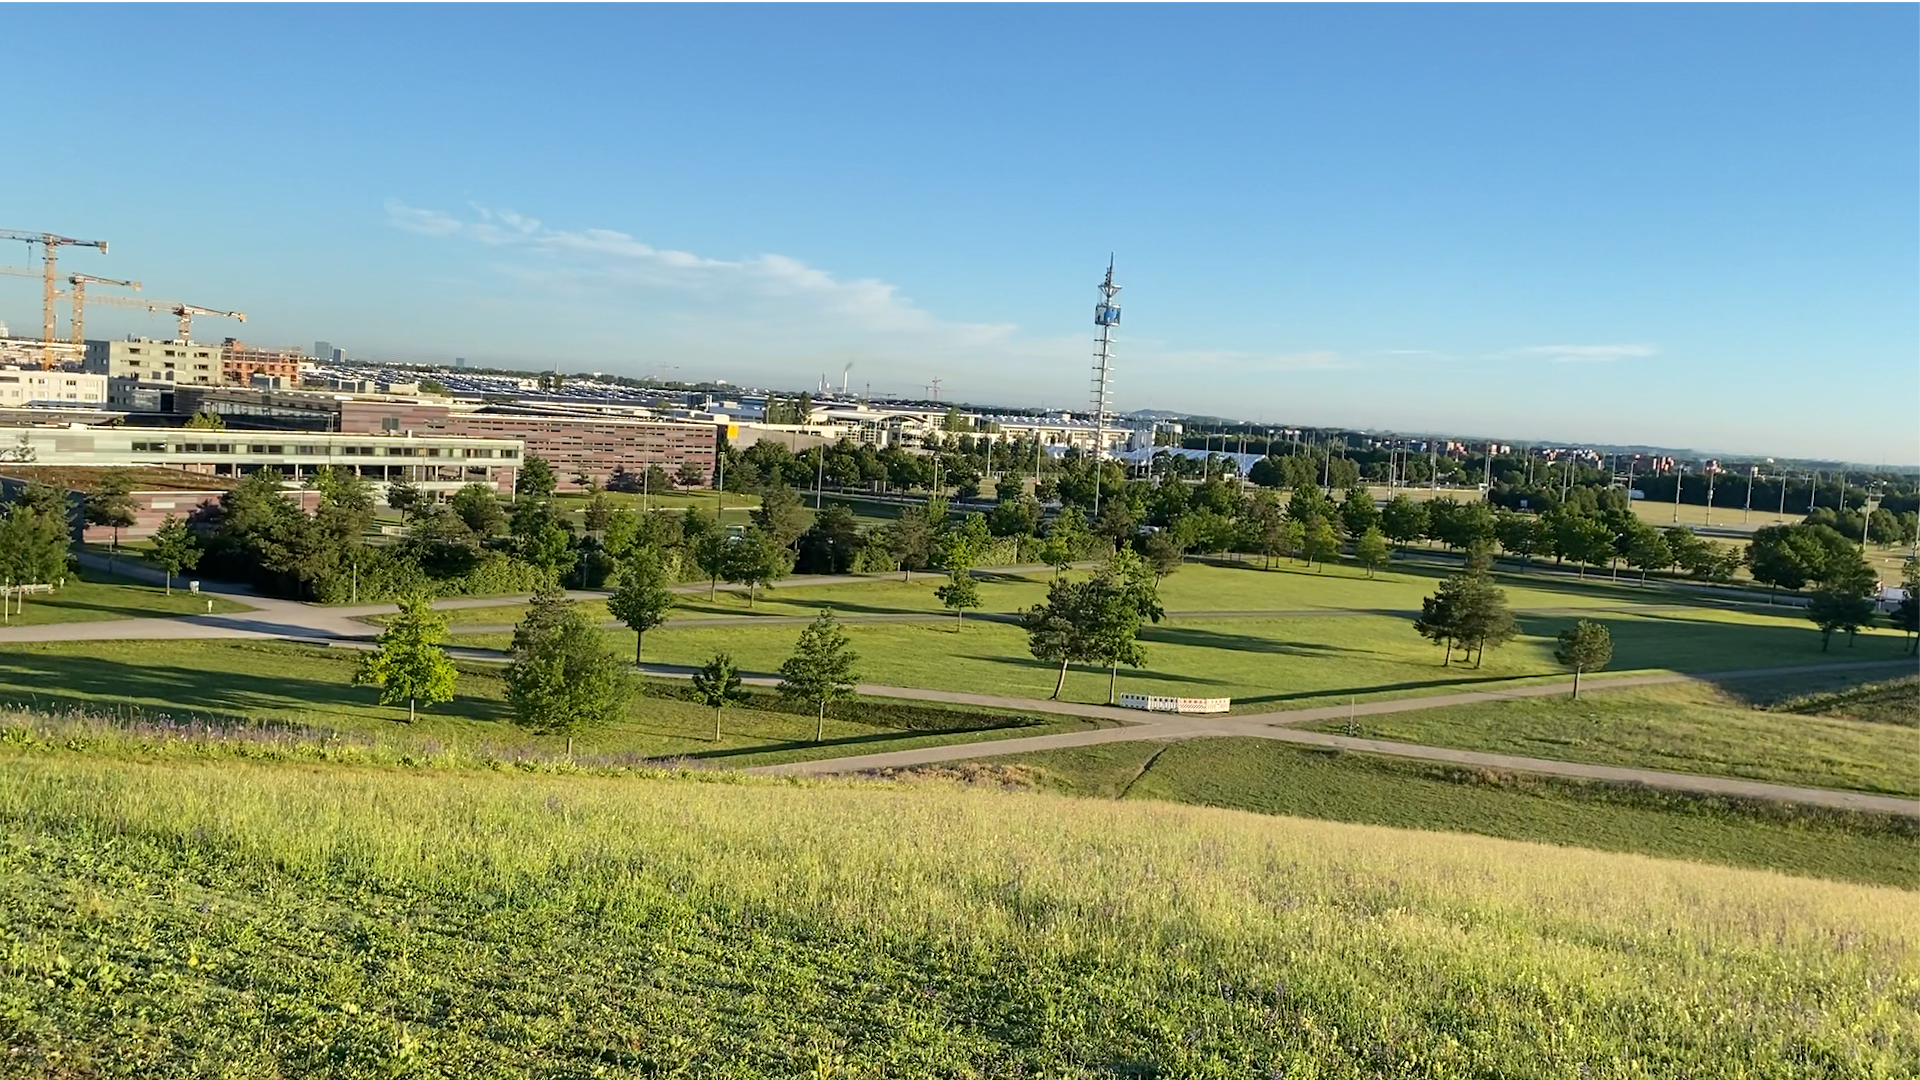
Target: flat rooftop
[142,477]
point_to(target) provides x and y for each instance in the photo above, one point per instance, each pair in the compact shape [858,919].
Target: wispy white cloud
[1194,360]
[424,222]
[775,313]
[1583,354]
[577,260]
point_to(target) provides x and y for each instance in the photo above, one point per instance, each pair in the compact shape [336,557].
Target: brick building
[240,362]
[574,442]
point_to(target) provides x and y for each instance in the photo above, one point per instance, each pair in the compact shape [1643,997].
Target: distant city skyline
[1672,226]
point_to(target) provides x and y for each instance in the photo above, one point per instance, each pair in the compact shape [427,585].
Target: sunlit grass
[277,920]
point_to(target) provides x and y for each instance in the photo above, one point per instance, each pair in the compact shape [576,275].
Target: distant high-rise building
[459,361]
[323,351]
[339,356]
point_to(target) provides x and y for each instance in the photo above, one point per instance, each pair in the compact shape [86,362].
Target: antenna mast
[1106,316]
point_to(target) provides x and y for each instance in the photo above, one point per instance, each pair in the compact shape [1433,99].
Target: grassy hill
[276,919]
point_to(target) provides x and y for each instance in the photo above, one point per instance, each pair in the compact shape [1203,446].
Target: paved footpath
[1278,726]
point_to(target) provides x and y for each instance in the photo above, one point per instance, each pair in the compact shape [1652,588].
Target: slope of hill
[180,919]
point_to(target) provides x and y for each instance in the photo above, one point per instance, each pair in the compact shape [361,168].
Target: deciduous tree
[479,507]
[408,663]
[563,678]
[755,560]
[642,598]
[1358,513]
[175,549]
[1371,551]
[1321,545]
[717,685]
[1584,646]
[1403,520]
[821,669]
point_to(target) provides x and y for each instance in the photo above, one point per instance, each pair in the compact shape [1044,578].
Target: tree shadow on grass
[132,610]
[1053,669]
[878,738]
[1198,638]
[92,684]
[1383,688]
[784,604]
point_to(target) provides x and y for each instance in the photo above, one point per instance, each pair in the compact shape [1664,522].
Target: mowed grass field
[1277,778]
[91,596]
[240,919]
[1267,638]
[307,686]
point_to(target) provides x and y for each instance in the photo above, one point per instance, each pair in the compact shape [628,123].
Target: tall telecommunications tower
[1106,316]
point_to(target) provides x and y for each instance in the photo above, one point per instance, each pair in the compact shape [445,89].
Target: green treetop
[408,663]
[717,685]
[821,669]
[642,598]
[175,549]
[563,678]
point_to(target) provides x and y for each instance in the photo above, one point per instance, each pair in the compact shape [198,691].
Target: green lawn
[890,595]
[734,509]
[308,686]
[1895,701]
[1276,778]
[1693,727]
[1272,662]
[1197,587]
[92,595]
[184,920]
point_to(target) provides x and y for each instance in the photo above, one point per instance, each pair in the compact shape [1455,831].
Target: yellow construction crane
[50,244]
[78,297]
[183,312]
[186,312]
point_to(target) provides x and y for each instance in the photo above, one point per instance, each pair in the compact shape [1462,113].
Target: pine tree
[110,503]
[1054,628]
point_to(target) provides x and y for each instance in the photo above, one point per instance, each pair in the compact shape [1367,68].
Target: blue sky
[1691,226]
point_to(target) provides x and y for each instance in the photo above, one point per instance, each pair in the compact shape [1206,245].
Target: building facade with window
[435,462]
[593,443]
[181,363]
[241,362]
[30,385]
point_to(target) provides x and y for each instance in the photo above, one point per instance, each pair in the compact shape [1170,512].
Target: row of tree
[563,679]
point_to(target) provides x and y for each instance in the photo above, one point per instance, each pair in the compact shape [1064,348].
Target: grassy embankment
[1277,778]
[199,920]
[1866,744]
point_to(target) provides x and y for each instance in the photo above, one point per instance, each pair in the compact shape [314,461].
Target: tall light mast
[1106,316]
